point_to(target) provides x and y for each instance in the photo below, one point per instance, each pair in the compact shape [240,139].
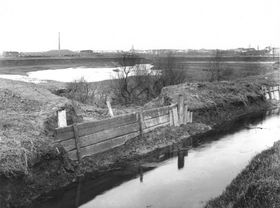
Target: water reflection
[181,158]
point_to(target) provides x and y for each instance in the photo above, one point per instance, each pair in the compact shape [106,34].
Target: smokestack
[59,41]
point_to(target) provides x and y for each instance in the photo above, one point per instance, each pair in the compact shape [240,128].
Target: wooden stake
[109,108]
[141,122]
[269,93]
[61,118]
[175,116]
[181,109]
[186,115]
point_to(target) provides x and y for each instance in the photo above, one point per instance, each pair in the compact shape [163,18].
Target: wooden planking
[141,122]
[102,146]
[73,155]
[175,116]
[153,113]
[108,134]
[147,130]
[100,136]
[186,115]
[155,121]
[68,144]
[181,109]
[95,126]
[109,144]
[77,141]
[171,118]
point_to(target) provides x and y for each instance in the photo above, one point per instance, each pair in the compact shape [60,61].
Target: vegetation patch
[257,186]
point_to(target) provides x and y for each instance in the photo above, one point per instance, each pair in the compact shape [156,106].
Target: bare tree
[124,85]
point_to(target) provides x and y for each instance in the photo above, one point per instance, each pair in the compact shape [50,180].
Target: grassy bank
[257,186]
[209,95]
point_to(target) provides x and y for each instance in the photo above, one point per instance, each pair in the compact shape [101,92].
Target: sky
[33,25]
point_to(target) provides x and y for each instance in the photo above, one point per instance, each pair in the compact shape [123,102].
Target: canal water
[187,178]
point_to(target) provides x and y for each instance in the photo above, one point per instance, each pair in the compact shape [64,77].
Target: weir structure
[85,139]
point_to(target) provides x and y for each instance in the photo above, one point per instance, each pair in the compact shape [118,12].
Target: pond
[72,74]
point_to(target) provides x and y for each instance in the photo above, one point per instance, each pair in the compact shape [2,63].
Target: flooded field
[71,74]
[186,178]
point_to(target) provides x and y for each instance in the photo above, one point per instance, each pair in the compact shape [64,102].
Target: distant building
[11,54]
[86,52]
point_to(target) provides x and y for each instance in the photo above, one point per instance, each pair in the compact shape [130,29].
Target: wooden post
[109,108]
[61,118]
[191,117]
[269,93]
[77,142]
[141,122]
[181,109]
[186,115]
[171,122]
[175,116]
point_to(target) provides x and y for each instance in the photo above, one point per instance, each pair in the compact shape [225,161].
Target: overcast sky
[33,25]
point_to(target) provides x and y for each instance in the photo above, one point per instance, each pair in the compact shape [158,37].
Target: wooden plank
[152,113]
[110,108]
[77,143]
[147,130]
[141,122]
[186,118]
[181,109]
[171,122]
[99,137]
[102,146]
[175,116]
[61,118]
[95,126]
[68,144]
[72,155]
[108,134]
[269,94]
[155,121]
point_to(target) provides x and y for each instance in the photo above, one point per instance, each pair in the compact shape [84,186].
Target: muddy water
[187,179]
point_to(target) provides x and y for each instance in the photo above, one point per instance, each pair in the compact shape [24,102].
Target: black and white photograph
[139,104]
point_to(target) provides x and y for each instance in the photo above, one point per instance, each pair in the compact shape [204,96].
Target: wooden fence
[85,139]
[271,93]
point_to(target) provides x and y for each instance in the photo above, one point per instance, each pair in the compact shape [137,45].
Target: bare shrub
[80,90]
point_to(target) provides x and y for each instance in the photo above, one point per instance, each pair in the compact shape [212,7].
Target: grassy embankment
[257,186]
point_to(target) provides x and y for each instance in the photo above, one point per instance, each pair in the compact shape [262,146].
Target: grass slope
[257,186]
